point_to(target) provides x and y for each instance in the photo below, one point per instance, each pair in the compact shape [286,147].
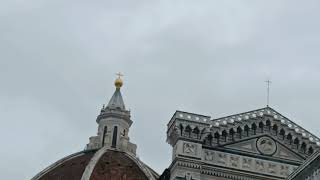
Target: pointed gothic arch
[289,138]
[282,133]
[254,128]
[209,140]
[303,147]
[188,131]
[196,132]
[217,137]
[247,129]
[310,150]
[261,125]
[224,135]
[181,129]
[275,129]
[268,125]
[239,131]
[296,143]
[232,132]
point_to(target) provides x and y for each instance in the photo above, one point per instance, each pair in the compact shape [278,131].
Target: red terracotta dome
[104,164]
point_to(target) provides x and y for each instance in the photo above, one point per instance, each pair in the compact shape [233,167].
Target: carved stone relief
[234,161]
[186,175]
[209,155]
[259,166]
[272,168]
[222,158]
[190,149]
[266,145]
[284,170]
[247,163]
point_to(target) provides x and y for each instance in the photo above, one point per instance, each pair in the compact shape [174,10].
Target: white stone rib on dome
[57,163]
[97,156]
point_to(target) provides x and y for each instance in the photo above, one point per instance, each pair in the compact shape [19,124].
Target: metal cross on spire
[119,75]
[268,91]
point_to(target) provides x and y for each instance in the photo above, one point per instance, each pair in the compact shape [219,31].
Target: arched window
[105,129]
[114,137]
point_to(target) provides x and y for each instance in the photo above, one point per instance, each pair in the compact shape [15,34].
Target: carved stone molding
[245,163]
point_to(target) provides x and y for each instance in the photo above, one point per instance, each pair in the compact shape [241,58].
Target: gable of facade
[260,144]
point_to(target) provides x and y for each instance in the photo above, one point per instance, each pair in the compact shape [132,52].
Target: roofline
[179,111]
[304,165]
[169,124]
[268,107]
[240,113]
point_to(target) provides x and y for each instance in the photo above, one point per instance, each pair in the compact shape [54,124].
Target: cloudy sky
[58,61]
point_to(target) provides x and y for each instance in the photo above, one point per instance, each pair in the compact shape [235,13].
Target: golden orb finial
[118,82]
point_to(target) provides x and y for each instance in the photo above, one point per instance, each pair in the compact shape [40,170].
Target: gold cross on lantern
[119,75]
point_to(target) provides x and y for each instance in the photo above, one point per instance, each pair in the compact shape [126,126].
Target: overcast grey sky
[58,61]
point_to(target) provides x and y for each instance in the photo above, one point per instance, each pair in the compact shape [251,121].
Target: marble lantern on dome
[114,123]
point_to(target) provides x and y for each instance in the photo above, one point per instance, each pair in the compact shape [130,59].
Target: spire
[116,101]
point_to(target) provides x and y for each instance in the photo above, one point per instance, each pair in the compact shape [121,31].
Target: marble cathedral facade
[260,144]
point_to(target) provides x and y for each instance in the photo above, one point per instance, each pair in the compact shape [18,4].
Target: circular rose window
[266,146]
